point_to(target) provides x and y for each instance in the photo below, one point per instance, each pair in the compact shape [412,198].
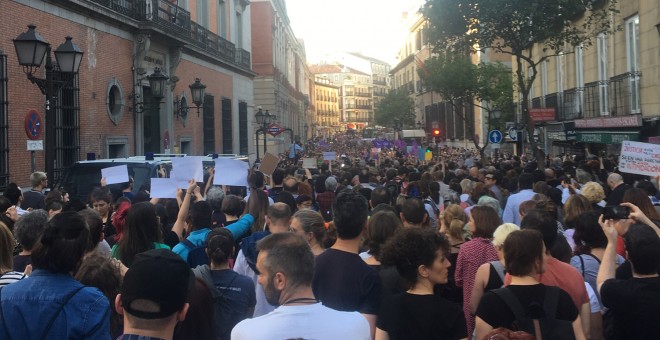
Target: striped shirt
[10,277]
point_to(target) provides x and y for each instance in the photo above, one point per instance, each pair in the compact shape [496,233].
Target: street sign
[513,134]
[35,145]
[274,129]
[33,125]
[495,136]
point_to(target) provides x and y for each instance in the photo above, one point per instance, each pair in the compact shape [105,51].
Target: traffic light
[429,149]
[436,132]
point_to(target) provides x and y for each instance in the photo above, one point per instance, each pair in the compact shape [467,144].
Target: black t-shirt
[410,316]
[634,304]
[342,281]
[20,262]
[495,312]
[171,239]
[33,199]
[494,280]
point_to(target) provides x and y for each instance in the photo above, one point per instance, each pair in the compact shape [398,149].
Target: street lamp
[31,49]
[263,120]
[198,90]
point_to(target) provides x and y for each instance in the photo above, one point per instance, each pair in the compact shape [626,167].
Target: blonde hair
[593,192]
[500,234]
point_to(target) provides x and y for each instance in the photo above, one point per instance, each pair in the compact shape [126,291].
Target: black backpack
[547,327]
[196,253]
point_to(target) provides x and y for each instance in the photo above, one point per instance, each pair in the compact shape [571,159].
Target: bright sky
[370,27]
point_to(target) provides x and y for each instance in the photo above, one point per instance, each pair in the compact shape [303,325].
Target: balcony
[571,105]
[364,107]
[173,20]
[624,94]
[363,94]
[592,103]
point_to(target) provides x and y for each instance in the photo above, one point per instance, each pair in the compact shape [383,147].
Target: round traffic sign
[513,134]
[495,136]
[33,125]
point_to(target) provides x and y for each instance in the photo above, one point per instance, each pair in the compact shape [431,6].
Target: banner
[640,158]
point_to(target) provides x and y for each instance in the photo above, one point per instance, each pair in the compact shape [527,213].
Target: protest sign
[269,164]
[230,172]
[188,167]
[115,174]
[329,156]
[309,163]
[640,158]
[163,188]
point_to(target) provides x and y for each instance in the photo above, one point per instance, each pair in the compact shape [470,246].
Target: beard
[272,294]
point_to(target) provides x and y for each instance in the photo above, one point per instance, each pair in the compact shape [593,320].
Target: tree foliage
[514,27]
[396,105]
[460,82]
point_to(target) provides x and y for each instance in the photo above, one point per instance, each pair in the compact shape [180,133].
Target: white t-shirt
[304,322]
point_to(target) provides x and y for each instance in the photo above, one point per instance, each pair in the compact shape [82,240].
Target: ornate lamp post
[263,120]
[31,49]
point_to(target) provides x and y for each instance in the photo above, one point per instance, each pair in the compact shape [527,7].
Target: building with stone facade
[605,94]
[326,104]
[107,109]
[355,94]
[281,85]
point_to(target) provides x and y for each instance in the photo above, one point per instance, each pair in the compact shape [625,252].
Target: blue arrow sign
[495,136]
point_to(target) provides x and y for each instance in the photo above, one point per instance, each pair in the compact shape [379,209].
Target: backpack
[196,253]
[393,188]
[546,328]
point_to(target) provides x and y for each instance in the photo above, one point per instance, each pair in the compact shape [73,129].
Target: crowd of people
[373,245]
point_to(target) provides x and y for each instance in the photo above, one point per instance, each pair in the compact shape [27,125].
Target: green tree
[462,83]
[396,105]
[514,27]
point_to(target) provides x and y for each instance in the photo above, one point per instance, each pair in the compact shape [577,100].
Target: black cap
[159,276]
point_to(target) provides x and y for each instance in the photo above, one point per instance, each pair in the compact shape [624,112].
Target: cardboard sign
[640,158]
[309,163]
[269,164]
[115,174]
[231,172]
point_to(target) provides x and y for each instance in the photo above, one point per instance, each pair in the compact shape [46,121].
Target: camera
[616,212]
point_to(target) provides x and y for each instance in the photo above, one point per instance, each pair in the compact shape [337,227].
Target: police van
[83,176]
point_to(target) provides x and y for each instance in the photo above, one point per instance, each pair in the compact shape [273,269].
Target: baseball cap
[159,276]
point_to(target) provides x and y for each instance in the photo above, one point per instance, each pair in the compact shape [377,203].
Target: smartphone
[616,212]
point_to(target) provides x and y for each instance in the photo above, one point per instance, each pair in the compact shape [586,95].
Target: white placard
[309,163]
[115,174]
[640,158]
[180,183]
[187,168]
[35,145]
[329,156]
[163,188]
[230,172]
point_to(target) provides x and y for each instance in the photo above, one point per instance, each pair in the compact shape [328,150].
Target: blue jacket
[29,304]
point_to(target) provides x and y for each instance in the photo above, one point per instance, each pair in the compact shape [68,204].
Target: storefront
[607,133]
[562,138]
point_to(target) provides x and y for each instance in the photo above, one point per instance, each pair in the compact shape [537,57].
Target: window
[227,131]
[243,128]
[602,73]
[67,125]
[4,126]
[632,55]
[114,101]
[531,85]
[560,61]
[544,80]
[222,18]
[203,13]
[579,79]
[209,125]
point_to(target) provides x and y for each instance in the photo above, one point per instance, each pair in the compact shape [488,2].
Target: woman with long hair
[310,225]
[479,250]
[524,259]
[142,233]
[7,244]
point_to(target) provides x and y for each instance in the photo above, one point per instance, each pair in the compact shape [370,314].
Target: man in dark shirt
[342,280]
[615,182]
[35,198]
[633,302]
